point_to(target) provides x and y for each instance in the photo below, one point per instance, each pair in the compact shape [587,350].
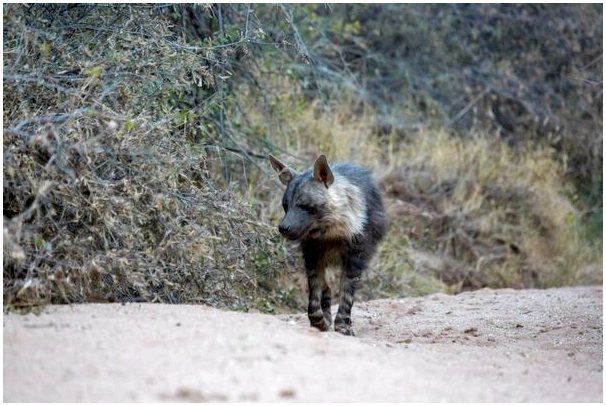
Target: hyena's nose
[283,229]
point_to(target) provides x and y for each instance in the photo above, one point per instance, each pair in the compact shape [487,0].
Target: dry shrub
[108,188]
[133,223]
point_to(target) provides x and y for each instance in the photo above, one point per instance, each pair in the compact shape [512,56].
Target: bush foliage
[135,139]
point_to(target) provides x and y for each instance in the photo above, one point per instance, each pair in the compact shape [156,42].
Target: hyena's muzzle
[294,224]
[298,223]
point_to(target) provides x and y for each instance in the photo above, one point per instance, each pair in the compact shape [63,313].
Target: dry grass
[464,213]
[497,216]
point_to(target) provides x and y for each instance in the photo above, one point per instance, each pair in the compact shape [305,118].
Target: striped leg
[352,271]
[326,296]
[315,311]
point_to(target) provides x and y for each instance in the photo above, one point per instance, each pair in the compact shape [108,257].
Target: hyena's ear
[284,172]
[322,172]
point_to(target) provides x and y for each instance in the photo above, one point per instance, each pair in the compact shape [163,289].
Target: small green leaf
[39,242]
[93,72]
[130,125]
[45,49]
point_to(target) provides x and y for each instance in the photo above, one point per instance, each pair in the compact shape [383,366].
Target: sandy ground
[500,345]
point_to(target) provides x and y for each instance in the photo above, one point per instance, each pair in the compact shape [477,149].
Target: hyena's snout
[293,225]
[289,230]
[284,229]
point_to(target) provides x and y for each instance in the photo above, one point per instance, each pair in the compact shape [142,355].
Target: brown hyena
[337,215]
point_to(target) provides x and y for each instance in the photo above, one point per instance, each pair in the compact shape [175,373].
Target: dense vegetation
[135,139]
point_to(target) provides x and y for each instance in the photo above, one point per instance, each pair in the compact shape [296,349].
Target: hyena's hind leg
[352,272]
[318,309]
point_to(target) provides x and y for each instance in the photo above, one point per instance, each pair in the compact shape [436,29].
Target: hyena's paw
[319,321]
[344,329]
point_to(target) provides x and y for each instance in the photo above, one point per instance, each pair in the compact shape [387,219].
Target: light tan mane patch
[346,208]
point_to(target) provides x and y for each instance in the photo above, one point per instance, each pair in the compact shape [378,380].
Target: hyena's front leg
[316,310]
[352,272]
[326,297]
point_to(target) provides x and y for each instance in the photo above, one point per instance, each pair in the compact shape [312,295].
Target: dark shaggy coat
[337,215]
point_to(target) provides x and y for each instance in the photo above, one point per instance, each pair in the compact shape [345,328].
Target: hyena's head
[315,205]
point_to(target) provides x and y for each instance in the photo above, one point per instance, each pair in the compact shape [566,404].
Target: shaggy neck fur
[346,214]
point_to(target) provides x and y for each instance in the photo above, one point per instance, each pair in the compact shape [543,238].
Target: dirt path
[487,345]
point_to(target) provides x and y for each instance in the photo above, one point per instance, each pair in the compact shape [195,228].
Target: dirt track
[482,346]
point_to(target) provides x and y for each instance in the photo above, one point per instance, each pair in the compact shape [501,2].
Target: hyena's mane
[346,204]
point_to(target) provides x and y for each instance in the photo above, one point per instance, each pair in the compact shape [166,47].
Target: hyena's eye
[308,208]
[285,206]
